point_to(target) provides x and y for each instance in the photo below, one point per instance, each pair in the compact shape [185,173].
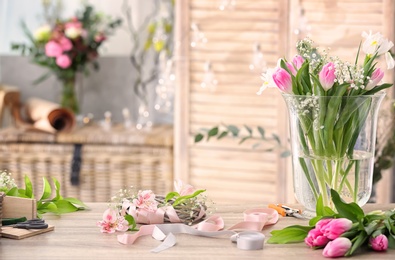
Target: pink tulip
[298,61]
[327,76]
[63,61]
[375,79]
[315,238]
[283,80]
[65,44]
[337,247]
[291,68]
[336,227]
[321,225]
[53,49]
[379,243]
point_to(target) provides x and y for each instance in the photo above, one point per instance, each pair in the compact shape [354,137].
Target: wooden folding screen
[229,171]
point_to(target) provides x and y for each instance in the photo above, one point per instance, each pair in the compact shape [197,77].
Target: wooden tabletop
[76,236]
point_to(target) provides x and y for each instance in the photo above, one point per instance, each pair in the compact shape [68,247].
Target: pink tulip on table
[336,227]
[315,238]
[379,243]
[337,247]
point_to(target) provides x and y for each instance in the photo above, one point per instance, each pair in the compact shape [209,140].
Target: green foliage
[57,205]
[235,132]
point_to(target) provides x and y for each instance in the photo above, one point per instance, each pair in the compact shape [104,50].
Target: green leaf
[222,135]
[249,130]
[291,234]
[42,78]
[391,241]
[131,222]
[171,195]
[285,154]
[319,206]
[76,202]
[13,192]
[186,197]
[212,132]
[46,189]
[28,188]
[233,129]
[65,206]
[57,189]
[351,210]
[47,207]
[361,238]
[199,137]
[245,138]
[277,138]
[262,132]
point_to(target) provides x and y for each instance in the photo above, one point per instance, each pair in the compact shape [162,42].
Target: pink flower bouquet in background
[184,205]
[67,47]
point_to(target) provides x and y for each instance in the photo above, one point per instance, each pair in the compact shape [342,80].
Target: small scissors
[32,224]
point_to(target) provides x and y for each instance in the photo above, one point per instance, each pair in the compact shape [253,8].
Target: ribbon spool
[248,240]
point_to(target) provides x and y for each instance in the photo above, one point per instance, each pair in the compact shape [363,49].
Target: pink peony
[315,238]
[337,247]
[283,80]
[63,61]
[379,243]
[53,49]
[375,79]
[336,227]
[65,44]
[327,76]
[146,200]
[111,222]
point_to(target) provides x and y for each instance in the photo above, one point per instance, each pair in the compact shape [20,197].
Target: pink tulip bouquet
[333,108]
[68,47]
[344,233]
[128,208]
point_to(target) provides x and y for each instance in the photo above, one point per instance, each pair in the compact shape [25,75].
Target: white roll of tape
[248,240]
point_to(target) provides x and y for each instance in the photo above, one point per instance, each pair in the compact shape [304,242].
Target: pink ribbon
[254,220]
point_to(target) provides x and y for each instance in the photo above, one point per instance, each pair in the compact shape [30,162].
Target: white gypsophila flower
[6,182]
[375,43]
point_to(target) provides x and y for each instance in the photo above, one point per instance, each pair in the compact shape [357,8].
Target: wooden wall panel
[232,172]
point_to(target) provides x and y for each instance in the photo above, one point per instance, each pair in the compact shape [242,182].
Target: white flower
[375,43]
[43,33]
[73,32]
[390,61]
[268,81]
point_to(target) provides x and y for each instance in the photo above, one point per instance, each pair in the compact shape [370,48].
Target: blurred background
[201,67]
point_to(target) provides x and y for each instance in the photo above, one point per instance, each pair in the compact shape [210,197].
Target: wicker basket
[106,165]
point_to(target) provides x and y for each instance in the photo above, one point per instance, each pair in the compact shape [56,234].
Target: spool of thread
[248,240]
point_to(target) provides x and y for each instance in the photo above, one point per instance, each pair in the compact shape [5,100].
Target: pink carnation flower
[65,44]
[53,49]
[63,61]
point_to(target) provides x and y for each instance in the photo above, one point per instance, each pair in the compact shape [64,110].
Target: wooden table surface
[76,236]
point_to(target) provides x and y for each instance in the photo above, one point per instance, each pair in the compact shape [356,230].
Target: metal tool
[32,224]
[286,211]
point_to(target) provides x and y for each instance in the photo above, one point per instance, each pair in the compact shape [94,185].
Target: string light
[198,37]
[258,63]
[227,5]
[166,86]
[209,81]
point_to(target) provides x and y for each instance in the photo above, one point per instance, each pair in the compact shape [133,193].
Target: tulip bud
[327,76]
[337,227]
[375,78]
[379,243]
[315,238]
[337,247]
[298,61]
[283,80]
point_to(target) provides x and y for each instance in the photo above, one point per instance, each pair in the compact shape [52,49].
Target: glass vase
[72,92]
[333,145]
